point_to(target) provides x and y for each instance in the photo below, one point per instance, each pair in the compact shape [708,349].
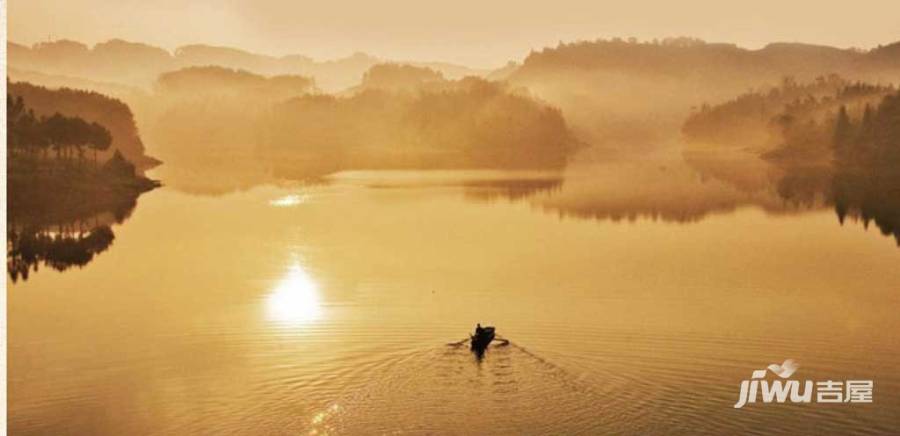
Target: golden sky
[474,32]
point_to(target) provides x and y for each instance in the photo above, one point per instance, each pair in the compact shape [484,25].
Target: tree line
[860,133]
[416,120]
[790,120]
[873,137]
[34,136]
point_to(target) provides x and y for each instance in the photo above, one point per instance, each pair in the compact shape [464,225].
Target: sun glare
[287,200]
[295,299]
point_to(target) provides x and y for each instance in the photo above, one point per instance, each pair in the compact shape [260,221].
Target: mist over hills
[219,121]
[625,91]
[682,56]
[224,119]
[136,64]
[625,96]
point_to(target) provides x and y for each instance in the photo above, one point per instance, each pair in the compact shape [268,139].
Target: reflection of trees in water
[863,193]
[60,233]
[847,161]
[493,190]
[27,248]
[707,185]
[805,186]
[868,196]
[629,190]
[476,185]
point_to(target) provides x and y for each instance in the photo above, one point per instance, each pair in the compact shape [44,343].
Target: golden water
[327,308]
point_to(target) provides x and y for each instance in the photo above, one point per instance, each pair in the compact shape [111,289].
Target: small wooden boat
[481,339]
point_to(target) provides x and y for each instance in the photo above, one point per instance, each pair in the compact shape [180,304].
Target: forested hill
[631,96]
[137,64]
[689,57]
[92,107]
[764,119]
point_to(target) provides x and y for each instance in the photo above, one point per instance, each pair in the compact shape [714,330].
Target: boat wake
[510,391]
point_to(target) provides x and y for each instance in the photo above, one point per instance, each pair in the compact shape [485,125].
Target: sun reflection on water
[288,200]
[295,299]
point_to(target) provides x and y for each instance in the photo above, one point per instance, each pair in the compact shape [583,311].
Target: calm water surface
[327,309]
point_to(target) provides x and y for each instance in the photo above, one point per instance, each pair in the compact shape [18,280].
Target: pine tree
[842,134]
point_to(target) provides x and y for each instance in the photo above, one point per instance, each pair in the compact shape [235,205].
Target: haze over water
[649,200]
[328,308]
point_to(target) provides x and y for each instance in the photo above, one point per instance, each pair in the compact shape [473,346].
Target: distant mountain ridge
[137,64]
[682,55]
[634,94]
[619,94]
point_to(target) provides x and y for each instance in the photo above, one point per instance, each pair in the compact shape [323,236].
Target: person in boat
[481,339]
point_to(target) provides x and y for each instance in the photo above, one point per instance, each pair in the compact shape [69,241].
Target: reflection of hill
[660,188]
[480,185]
[654,189]
[62,223]
[60,229]
[670,190]
[868,196]
[514,189]
[861,194]
[803,187]
[744,171]
[61,215]
[30,247]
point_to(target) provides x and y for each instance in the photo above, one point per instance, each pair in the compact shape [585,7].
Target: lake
[636,296]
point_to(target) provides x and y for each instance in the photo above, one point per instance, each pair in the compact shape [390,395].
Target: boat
[481,339]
